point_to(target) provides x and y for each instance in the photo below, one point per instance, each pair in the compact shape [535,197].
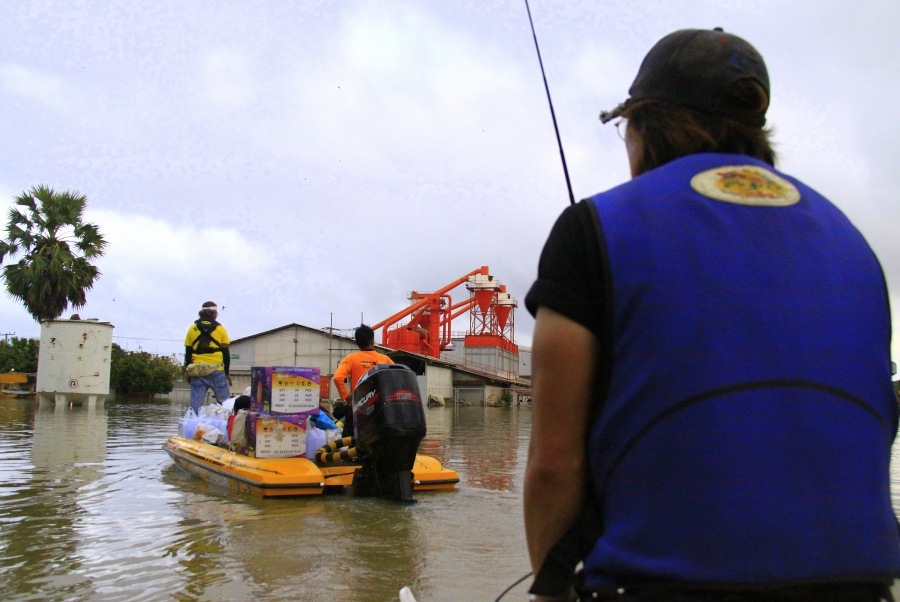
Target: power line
[147,339]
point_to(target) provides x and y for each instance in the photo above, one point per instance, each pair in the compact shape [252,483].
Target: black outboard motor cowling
[389,424]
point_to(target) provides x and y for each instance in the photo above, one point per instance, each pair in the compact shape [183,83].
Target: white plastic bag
[315,438]
[214,410]
[213,433]
[214,436]
[189,423]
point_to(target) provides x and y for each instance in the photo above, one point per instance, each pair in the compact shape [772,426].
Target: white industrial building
[298,345]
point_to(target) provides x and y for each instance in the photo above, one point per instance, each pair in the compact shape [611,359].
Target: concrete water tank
[74,361]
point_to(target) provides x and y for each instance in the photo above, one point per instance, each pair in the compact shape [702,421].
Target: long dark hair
[664,131]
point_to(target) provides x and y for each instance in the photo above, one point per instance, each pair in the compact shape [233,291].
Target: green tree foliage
[116,363]
[19,355]
[54,246]
[141,373]
[165,371]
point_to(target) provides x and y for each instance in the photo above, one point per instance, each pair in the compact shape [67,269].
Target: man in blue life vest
[713,410]
[206,357]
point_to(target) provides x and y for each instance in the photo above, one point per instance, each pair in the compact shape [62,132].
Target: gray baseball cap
[695,68]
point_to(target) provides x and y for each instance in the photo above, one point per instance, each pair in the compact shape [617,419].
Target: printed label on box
[284,389]
[279,439]
[293,393]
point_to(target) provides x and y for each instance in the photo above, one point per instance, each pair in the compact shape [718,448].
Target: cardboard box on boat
[278,435]
[284,389]
[277,438]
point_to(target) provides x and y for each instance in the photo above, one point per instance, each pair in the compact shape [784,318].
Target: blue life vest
[745,435]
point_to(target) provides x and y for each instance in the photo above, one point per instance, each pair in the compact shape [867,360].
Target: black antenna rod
[562,155]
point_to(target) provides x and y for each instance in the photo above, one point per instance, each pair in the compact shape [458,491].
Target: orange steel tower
[491,321]
[427,332]
[489,344]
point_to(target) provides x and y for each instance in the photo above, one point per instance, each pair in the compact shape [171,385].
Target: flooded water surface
[92,508]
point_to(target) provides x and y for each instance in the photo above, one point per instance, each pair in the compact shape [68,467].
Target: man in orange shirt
[359,362]
[355,366]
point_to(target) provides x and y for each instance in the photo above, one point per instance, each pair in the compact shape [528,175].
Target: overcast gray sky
[314,162]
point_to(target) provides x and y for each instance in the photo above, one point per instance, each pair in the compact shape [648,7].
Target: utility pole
[6,336]
[330,330]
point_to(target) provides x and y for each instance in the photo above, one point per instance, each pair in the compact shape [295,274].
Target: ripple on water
[91,508]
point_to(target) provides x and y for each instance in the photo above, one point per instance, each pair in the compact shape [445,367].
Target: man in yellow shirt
[355,366]
[206,352]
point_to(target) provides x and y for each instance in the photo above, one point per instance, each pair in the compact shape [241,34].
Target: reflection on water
[40,499]
[92,508]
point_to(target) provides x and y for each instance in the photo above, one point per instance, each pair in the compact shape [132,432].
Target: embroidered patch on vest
[746,185]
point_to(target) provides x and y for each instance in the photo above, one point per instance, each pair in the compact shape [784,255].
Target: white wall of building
[438,381]
[524,362]
[292,346]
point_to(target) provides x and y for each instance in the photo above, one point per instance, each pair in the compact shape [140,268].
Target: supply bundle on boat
[283,398]
[210,425]
[284,389]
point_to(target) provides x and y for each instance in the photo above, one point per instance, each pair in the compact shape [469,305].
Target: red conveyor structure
[427,331]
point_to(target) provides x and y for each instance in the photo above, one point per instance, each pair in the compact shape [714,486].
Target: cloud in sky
[316,162]
[33,86]
[225,83]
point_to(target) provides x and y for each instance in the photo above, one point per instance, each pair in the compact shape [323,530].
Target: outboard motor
[389,424]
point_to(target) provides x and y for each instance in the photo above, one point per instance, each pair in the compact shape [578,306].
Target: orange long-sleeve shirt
[355,365]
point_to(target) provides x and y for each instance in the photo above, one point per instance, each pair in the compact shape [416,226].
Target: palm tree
[54,247]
